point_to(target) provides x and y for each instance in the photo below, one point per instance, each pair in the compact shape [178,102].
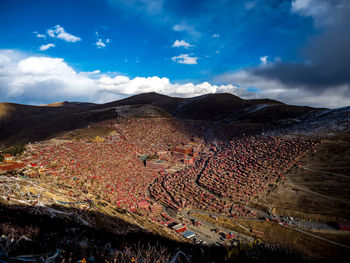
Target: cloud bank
[326,56]
[272,88]
[40,80]
[322,77]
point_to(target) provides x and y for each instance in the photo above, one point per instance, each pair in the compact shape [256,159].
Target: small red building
[8,158]
[344,226]
[179,228]
[188,161]
[230,236]
[187,149]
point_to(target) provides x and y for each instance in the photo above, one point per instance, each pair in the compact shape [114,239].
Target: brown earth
[318,189]
[285,237]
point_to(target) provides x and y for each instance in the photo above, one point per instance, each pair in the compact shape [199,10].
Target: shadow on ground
[40,237]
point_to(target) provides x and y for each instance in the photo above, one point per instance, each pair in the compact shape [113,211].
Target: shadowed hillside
[217,107]
[164,102]
[70,104]
[41,237]
[24,123]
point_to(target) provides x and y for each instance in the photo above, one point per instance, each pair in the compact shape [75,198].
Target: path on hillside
[318,194]
[188,216]
[318,237]
[318,171]
[198,184]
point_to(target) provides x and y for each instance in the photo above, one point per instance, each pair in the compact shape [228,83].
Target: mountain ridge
[21,123]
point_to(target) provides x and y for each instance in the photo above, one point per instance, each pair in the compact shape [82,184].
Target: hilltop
[219,107]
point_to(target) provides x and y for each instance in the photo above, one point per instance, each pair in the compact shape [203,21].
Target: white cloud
[216,35]
[60,33]
[92,73]
[185,59]
[181,43]
[124,85]
[263,60]
[102,44]
[46,47]
[324,12]
[39,35]
[183,26]
[42,79]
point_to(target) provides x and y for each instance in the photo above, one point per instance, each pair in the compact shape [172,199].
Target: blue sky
[229,44]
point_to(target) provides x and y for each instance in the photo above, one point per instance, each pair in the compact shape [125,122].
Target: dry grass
[319,189]
[87,133]
[276,234]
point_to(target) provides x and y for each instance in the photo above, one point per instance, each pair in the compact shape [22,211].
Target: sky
[295,51]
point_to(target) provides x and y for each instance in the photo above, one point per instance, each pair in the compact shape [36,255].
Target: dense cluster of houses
[110,169]
[244,167]
[225,177]
[131,167]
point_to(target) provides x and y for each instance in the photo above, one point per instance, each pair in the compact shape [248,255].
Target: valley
[216,181]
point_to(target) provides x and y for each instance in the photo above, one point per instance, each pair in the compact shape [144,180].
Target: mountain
[219,107]
[24,123]
[70,104]
[326,121]
[164,102]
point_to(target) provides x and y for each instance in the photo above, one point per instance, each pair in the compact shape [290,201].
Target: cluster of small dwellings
[227,177]
[110,168]
[132,167]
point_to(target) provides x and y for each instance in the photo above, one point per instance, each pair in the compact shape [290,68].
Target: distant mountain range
[25,123]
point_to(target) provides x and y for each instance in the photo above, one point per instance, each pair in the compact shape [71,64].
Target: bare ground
[317,188]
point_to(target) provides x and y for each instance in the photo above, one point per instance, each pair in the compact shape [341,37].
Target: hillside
[219,107]
[70,104]
[25,123]
[164,102]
